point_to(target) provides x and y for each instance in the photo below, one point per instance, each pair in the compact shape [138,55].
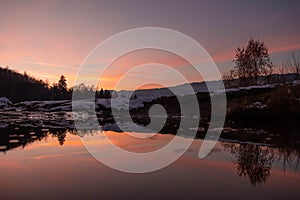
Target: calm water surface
[47,164]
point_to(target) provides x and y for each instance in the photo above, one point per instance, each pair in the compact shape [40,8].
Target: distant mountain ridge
[183,89]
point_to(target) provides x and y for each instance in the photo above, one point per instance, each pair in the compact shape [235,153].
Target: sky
[50,38]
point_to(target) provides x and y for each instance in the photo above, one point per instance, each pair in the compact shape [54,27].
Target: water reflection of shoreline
[252,161]
[15,137]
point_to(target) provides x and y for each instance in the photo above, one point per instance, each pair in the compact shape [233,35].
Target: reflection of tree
[61,136]
[253,161]
[289,157]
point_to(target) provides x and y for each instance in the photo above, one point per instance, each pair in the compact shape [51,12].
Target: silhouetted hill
[21,87]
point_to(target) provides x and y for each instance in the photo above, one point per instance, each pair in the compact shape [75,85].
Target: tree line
[23,87]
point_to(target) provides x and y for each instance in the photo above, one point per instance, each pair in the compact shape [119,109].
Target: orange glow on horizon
[51,72]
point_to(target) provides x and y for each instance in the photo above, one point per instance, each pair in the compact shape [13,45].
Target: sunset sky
[50,38]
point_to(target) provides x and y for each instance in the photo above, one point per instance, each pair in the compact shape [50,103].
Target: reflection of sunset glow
[46,164]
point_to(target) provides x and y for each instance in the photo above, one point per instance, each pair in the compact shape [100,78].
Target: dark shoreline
[266,115]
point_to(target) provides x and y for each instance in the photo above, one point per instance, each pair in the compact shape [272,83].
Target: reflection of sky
[46,169]
[48,39]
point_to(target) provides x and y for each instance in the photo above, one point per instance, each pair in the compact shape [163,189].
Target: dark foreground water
[54,164]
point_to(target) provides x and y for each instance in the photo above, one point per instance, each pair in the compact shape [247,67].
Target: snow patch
[257,105]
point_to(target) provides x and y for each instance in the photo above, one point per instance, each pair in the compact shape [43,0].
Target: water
[49,164]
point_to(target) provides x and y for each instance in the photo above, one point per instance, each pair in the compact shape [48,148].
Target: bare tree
[294,64]
[279,73]
[252,61]
[228,78]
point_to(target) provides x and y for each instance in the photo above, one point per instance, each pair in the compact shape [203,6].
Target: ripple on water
[14,141]
[3,147]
